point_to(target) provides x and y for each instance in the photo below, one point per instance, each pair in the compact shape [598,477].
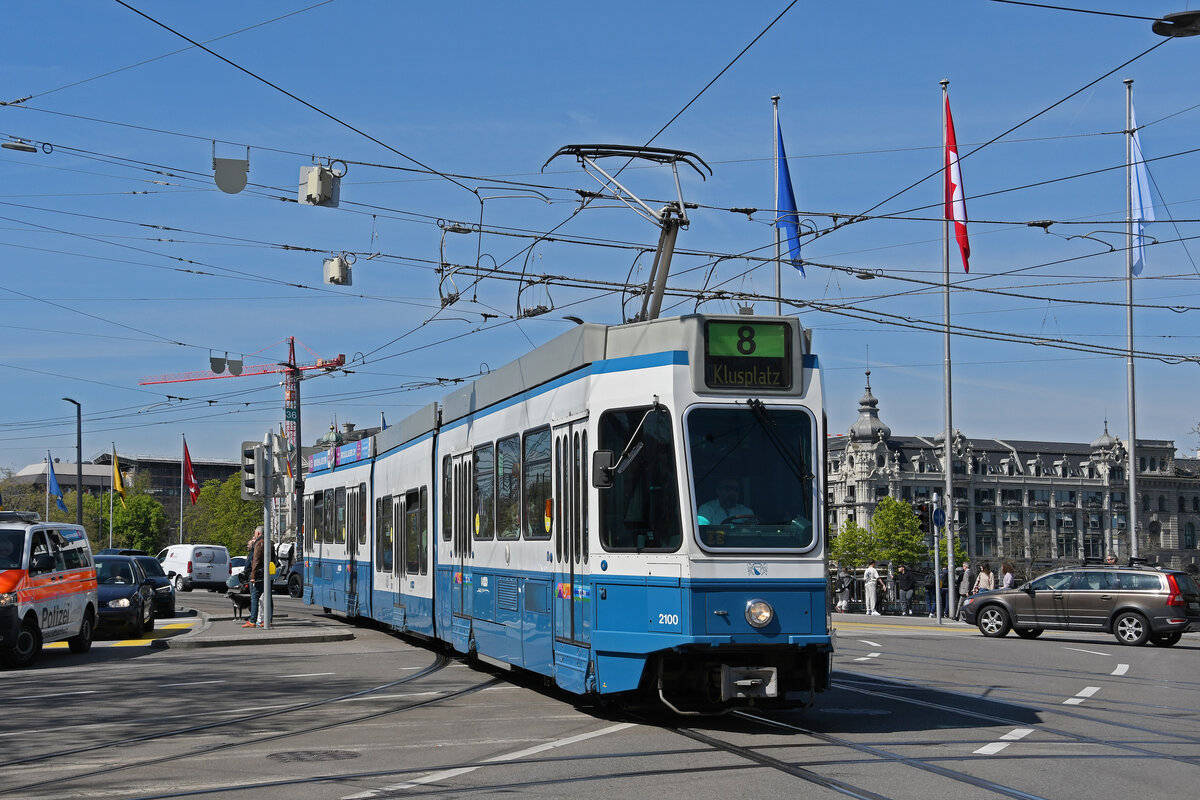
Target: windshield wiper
[791,457]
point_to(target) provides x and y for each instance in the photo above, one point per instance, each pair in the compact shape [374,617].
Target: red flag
[956,204]
[189,477]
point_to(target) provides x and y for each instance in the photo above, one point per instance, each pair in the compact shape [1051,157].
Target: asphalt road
[915,712]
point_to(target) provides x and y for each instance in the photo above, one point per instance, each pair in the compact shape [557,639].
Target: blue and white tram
[628,508]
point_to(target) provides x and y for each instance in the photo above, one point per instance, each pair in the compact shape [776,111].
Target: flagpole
[111,481]
[1133,497]
[778,253]
[48,468]
[182,467]
[948,443]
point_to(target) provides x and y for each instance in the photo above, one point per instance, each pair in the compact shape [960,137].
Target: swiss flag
[189,477]
[956,204]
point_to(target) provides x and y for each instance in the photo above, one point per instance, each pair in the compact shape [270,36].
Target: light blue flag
[1142,205]
[55,491]
[789,219]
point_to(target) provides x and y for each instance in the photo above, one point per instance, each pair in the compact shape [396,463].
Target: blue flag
[1142,206]
[788,219]
[55,491]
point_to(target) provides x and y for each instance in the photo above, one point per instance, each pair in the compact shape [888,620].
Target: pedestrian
[871,587]
[844,582]
[985,581]
[906,585]
[930,593]
[1006,570]
[966,582]
[254,565]
[945,575]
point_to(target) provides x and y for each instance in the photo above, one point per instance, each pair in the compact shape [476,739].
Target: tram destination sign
[747,355]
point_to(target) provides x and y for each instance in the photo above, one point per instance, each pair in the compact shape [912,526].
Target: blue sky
[123,260]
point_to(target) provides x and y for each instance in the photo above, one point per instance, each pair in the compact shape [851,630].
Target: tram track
[439,663]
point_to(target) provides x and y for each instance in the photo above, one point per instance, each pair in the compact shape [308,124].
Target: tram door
[461,522]
[354,529]
[572,596]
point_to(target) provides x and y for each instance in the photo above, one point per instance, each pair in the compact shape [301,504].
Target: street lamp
[78,461]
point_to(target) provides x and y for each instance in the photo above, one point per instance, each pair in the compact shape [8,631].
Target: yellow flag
[118,484]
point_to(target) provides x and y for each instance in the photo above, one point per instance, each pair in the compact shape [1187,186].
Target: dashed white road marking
[1083,695]
[307,675]
[452,773]
[870,644]
[1091,652]
[868,656]
[1005,741]
[189,683]
[1121,669]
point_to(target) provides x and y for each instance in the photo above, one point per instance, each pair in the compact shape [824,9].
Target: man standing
[966,584]
[905,586]
[254,571]
[870,586]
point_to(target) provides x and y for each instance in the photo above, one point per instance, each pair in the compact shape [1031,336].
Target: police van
[47,587]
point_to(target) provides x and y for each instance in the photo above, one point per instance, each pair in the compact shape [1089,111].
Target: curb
[195,638]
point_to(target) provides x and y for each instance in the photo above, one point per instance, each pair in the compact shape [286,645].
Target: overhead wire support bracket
[670,218]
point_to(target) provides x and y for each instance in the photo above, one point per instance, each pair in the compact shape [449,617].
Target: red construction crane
[291,387]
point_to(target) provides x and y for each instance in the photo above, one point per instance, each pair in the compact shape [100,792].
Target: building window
[1038,519]
[1064,497]
[1189,536]
[1142,464]
[985,545]
[1155,536]
[1145,502]
[1119,522]
[985,497]
[1010,497]
[1039,497]
[1093,522]
[985,519]
[1012,519]
[1196,504]
[1093,545]
[1182,504]
[1162,503]
[850,493]
[1067,543]
[1093,499]
[881,492]
[879,461]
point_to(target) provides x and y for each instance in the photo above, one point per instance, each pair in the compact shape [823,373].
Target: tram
[626,510]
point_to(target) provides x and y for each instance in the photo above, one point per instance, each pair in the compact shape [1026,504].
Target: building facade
[1034,503]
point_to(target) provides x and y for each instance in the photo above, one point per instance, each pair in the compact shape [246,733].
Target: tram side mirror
[602,469]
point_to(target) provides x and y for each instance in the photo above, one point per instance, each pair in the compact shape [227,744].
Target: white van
[47,587]
[196,566]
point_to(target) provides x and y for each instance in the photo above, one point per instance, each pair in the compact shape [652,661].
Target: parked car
[196,566]
[164,590]
[1135,602]
[126,595]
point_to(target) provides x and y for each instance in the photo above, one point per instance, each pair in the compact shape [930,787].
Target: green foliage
[897,529]
[853,546]
[221,516]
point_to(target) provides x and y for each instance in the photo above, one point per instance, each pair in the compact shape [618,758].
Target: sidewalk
[225,631]
[922,620]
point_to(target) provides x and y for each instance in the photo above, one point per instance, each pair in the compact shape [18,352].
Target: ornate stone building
[1033,503]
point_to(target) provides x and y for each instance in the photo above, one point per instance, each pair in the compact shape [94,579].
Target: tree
[853,546]
[898,532]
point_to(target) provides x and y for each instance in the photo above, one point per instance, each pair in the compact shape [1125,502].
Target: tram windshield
[752,473]
[641,510]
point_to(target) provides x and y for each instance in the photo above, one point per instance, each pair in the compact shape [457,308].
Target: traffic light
[254,469]
[278,471]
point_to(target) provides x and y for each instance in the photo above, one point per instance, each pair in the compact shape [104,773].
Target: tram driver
[726,506]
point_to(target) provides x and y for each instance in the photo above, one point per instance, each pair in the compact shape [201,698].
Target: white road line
[872,644]
[452,773]
[192,683]
[1092,652]
[1083,695]
[57,694]
[1121,669]
[307,675]
[1005,741]
[868,657]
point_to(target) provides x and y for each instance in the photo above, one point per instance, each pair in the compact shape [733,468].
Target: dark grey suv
[1135,603]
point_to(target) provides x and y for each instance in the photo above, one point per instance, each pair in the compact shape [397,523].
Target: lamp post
[78,461]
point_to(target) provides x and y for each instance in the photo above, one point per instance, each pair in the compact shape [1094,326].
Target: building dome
[1106,441]
[868,427]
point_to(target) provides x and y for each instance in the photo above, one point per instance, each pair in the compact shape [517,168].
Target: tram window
[362,513]
[339,520]
[641,509]
[352,500]
[558,532]
[484,522]
[328,535]
[584,488]
[447,495]
[768,455]
[413,512]
[576,490]
[313,521]
[424,530]
[508,488]
[535,484]
[383,534]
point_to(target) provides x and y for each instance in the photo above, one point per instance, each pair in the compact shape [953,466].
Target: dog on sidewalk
[241,602]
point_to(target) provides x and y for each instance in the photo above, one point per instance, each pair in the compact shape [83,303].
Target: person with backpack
[930,586]
[842,588]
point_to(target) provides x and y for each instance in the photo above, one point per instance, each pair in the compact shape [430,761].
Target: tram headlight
[759,613]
